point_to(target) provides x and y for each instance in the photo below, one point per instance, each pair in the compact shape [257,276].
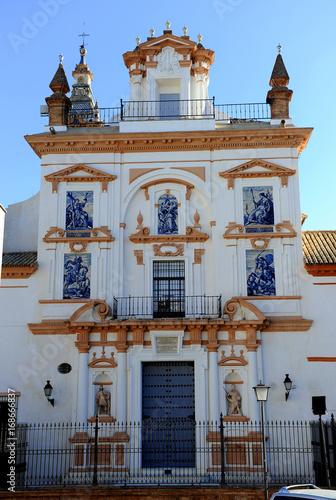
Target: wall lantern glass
[48,388]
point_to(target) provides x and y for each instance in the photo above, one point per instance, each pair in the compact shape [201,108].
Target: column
[214,411]
[212,346]
[83,385]
[122,376]
[122,387]
[253,381]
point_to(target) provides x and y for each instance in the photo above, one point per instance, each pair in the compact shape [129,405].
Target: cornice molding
[321,269]
[44,144]
[192,235]
[58,235]
[17,272]
[238,231]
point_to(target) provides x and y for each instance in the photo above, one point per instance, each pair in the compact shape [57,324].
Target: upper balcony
[163,115]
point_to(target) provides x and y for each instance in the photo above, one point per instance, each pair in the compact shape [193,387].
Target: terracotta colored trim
[198,171]
[65,301]
[26,286]
[287,324]
[270,297]
[198,253]
[295,137]
[135,173]
[281,230]
[166,180]
[67,175]
[321,269]
[192,235]
[179,250]
[324,283]
[268,169]
[322,359]
[58,235]
[18,272]
[139,257]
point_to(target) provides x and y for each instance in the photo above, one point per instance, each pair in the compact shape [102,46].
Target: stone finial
[138,40]
[168,25]
[185,30]
[199,38]
[196,219]
[152,31]
[139,220]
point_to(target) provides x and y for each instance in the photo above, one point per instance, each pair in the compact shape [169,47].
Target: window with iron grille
[168,288]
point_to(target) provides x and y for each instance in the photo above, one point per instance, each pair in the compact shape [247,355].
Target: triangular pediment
[257,168]
[79,173]
[168,39]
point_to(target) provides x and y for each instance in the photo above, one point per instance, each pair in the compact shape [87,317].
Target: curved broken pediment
[239,310]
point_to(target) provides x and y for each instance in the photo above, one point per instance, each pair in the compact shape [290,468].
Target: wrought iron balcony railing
[170,110]
[196,306]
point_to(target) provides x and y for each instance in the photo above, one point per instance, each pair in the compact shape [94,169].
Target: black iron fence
[194,306]
[170,110]
[164,451]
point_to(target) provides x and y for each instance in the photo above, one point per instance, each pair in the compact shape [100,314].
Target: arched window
[167,214]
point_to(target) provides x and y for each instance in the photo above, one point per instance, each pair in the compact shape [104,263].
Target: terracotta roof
[319,247]
[19,259]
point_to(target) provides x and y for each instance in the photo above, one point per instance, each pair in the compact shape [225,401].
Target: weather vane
[84,35]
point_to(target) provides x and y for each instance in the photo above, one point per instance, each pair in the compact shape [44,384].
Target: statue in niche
[167,214]
[103,401]
[234,399]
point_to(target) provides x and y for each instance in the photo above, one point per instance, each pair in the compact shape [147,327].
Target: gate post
[95,455]
[325,467]
[221,430]
[333,439]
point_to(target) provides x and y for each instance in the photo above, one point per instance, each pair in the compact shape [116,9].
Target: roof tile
[18,259]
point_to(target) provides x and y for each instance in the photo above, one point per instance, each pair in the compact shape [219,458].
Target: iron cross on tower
[84,35]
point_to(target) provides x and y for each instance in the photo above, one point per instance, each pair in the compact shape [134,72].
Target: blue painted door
[168,414]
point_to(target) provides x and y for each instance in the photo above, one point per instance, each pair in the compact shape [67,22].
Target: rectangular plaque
[166,344]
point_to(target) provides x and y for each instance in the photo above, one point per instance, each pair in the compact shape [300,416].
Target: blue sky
[244,35]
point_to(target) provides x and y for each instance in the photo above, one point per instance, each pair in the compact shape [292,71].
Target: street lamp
[261,392]
[48,388]
[288,385]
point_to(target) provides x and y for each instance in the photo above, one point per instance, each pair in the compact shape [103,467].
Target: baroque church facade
[161,271]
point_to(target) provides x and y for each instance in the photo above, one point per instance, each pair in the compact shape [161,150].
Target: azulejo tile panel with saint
[258,208]
[167,214]
[79,212]
[77,276]
[260,272]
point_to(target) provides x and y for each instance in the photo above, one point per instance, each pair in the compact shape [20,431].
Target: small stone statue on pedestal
[103,401]
[234,399]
